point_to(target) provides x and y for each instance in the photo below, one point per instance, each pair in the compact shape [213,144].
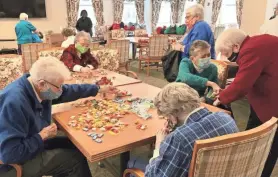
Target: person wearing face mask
[77,57]
[180,104]
[198,30]
[256,79]
[84,23]
[27,136]
[198,72]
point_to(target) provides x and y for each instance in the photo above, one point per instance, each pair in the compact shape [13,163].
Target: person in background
[180,104]
[84,23]
[256,79]
[77,57]
[275,12]
[27,136]
[37,38]
[24,30]
[69,36]
[198,30]
[197,71]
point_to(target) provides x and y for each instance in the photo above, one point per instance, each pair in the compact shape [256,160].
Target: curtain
[202,2]
[98,9]
[140,10]
[72,10]
[177,10]
[239,7]
[118,10]
[156,5]
[216,6]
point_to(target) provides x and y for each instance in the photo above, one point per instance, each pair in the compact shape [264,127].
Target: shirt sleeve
[170,161]
[92,60]
[196,35]
[67,59]
[250,68]
[31,27]
[16,145]
[185,76]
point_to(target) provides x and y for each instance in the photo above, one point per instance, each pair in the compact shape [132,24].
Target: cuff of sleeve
[155,154]
[77,68]
[204,82]
[40,141]
[91,66]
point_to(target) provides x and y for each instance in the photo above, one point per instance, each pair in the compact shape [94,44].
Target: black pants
[253,122]
[19,51]
[59,159]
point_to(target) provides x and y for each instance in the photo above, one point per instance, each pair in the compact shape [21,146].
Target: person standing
[256,78]
[84,23]
[24,31]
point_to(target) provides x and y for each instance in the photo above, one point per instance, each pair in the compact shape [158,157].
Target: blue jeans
[137,163]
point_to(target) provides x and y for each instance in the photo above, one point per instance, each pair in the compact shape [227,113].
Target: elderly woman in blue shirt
[198,30]
[24,31]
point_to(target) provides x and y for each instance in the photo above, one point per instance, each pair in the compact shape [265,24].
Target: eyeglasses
[53,84]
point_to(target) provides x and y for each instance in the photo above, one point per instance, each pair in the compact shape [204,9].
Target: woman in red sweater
[256,78]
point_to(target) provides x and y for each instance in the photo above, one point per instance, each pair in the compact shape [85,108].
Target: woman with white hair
[187,122]
[77,57]
[199,30]
[256,78]
[24,31]
[27,136]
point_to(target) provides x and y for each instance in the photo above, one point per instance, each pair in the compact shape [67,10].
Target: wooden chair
[240,154]
[30,53]
[51,52]
[18,168]
[153,52]
[223,70]
[140,33]
[55,39]
[118,34]
[94,46]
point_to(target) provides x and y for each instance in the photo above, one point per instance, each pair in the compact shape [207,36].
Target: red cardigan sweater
[71,58]
[257,76]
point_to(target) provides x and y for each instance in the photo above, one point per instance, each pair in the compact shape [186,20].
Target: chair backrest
[118,34]
[53,52]
[30,53]
[140,33]
[55,39]
[123,48]
[158,45]
[223,70]
[240,154]
[108,58]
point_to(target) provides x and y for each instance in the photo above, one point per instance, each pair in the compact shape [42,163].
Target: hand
[48,132]
[215,87]
[216,102]
[107,89]
[85,70]
[177,46]
[160,136]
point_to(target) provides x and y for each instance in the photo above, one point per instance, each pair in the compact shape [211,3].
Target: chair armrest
[18,168]
[129,72]
[134,171]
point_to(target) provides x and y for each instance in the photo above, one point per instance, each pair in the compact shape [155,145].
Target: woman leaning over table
[24,31]
[199,30]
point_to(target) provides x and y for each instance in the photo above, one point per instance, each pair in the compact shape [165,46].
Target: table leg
[124,158]
[133,51]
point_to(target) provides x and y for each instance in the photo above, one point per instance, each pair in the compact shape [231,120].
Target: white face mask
[202,64]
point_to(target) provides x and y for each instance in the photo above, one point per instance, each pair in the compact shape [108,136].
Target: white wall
[208,11]
[270,4]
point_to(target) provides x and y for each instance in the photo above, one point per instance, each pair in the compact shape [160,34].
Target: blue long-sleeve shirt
[23,30]
[200,31]
[22,117]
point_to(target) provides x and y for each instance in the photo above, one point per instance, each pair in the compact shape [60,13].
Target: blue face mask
[203,63]
[50,95]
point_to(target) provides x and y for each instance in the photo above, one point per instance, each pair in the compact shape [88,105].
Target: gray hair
[227,39]
[176,98]
[196,10]
[82,34]
[23,16]
[198,46]
[50,69]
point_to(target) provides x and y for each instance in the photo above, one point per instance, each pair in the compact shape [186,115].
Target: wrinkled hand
[86,70]
[48,132]
[160,136]
[216,89]
[216,102]
[177,46]
[107,89]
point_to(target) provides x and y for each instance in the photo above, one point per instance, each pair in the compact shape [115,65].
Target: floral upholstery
[118,34]
[108,58]
[222,68]
[53,52]
[100,30]
[10,69]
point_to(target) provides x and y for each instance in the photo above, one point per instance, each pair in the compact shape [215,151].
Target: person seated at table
[198,72]
[69,36]
[27,136]
[180,104]
[77,57]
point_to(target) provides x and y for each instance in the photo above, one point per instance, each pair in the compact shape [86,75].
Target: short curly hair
[197,47]
[68,32]
[176,98]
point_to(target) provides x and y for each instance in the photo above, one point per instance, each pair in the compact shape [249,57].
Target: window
[88,6]
[165,18]
[129,12]
[227,15]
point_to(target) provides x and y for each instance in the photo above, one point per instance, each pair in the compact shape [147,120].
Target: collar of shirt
[37,95]
[194,111]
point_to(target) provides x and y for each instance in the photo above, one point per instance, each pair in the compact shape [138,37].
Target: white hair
[50,69]
[227,39]
[196,10]
[23,16]
[82,34]
[176,98]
